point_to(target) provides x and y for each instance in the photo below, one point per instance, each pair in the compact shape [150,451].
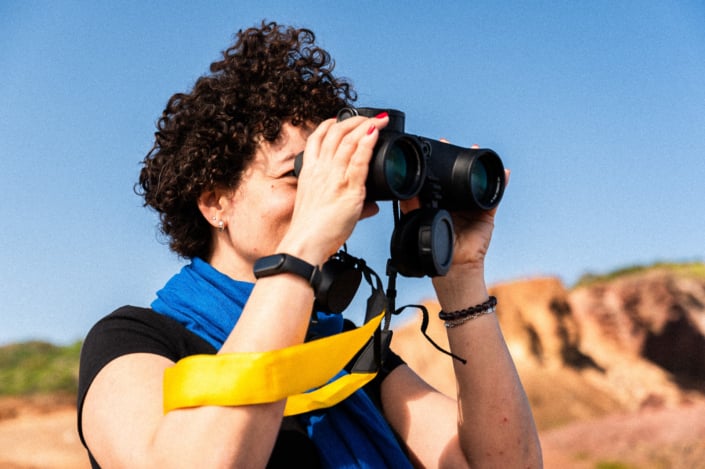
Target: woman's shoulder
[133,329]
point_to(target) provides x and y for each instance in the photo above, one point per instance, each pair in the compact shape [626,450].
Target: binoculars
[444,177]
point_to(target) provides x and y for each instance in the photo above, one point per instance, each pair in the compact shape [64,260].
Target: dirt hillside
[613,370]
[38,437]
[40,433]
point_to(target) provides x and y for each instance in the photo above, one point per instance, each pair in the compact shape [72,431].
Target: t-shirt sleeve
[132,330]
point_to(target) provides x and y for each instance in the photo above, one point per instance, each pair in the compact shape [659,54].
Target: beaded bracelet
[456,318]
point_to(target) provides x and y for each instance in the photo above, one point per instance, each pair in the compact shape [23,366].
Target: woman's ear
[212,205]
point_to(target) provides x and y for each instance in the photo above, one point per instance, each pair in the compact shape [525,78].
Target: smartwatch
[285,263]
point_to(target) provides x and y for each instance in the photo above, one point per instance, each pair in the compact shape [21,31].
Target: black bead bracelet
[456,318]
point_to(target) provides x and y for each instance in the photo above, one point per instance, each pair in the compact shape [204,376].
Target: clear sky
[597,107]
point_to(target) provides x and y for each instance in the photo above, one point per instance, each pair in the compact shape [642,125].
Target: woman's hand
[330,197]
[464,281]
[473,233]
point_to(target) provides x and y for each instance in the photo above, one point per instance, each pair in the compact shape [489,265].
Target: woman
[220,175]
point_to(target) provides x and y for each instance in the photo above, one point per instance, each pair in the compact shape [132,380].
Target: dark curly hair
[205,138]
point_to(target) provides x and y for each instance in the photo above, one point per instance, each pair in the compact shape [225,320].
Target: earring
[221,225]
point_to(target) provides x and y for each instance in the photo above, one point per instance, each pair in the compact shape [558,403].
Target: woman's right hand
[330,197]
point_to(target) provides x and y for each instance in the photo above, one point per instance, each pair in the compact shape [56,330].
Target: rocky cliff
[619,345]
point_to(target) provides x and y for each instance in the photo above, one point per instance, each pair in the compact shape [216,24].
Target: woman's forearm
[495,424]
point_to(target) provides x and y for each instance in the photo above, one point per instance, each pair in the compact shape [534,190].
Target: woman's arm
[490,424]
[495,424]
[122,419]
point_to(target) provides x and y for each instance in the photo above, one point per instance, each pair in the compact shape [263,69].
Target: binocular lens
[401,168]
[479,181]
[397,169]
[487,179]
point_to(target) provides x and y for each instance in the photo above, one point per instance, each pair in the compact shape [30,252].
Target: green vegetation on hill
[690,269]
[30,368]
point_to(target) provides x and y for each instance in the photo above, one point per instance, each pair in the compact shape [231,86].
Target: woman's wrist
[303,248]
[462,286]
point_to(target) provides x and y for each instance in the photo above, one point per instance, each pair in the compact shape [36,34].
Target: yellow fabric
[259,377]
[328,395]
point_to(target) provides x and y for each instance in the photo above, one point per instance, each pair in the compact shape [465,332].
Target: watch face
[284,263]
[268,264]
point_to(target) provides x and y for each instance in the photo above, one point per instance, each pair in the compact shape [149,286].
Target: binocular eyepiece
[444,177]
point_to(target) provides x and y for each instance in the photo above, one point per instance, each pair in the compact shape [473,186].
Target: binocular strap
[235,379]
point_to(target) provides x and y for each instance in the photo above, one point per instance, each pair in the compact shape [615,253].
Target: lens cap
[340,280]
[422,243]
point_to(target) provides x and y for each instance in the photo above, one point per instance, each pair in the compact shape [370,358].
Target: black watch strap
[286,263]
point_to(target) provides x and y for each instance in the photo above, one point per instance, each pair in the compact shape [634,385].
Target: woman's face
[260,209]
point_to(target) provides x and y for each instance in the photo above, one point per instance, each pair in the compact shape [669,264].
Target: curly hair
[271,75]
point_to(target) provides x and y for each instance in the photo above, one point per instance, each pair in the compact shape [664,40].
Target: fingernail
[371,129]
[381,115]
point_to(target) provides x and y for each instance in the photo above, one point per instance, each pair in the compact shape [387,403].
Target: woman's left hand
[473,233]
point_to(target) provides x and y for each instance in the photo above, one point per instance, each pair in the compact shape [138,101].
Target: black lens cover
[339,281]
[422,243]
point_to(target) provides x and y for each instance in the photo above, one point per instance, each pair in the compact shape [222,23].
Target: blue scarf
[352,434]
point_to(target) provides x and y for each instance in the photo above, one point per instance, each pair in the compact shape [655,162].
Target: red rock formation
[620,345]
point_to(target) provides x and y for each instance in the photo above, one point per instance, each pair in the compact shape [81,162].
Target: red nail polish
[381,115]
[371,129]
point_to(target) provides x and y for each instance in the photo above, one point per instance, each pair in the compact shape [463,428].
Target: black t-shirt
[140,330]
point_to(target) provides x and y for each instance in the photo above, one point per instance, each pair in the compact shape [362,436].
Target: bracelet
[456,318]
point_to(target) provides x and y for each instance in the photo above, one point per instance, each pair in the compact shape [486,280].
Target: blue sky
[597,107]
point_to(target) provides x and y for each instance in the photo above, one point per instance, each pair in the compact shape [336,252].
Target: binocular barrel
[444,177]
[405,165]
